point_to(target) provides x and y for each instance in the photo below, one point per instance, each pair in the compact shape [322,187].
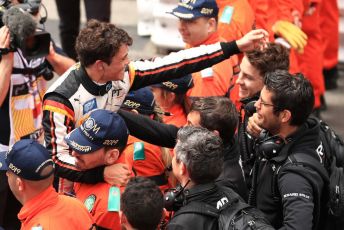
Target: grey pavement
[124,14]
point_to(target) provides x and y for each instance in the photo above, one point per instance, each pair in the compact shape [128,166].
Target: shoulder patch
[139,151]
[89,105]
[89,202]
[227,14]
[208,72]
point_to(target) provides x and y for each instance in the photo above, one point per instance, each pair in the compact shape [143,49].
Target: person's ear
[111,156]
[212,25]
[100,65]
[217,133]
[182,169]
[134,111]
[20,184]
[285,116]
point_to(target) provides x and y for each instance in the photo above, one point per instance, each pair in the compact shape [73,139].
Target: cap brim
[183,13]
[3,164]
[77,141]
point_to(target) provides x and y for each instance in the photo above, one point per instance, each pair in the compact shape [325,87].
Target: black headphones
[249,108]
[174,198]
[267,146]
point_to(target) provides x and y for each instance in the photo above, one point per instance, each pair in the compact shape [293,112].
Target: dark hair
[272,58]
[291,92]
[202,153]
[142,203]
[217,113]
[100,41]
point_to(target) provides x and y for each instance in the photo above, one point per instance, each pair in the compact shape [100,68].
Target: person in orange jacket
[170,97]
[329,20]
[296,22]
[236,18]
[311,60]
[145,159]
[99,141]
[30,173]
[201,27]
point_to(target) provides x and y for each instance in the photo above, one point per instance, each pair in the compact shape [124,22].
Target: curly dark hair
[142,203]
[100,41]
[273,57]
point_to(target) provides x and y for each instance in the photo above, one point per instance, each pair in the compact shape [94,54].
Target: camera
[23,28]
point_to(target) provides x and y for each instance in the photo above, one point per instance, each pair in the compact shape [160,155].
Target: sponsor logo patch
[89,202]
[89,105]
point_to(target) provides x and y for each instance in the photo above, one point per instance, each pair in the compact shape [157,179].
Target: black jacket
[295,203]
[210,194]
[165,135]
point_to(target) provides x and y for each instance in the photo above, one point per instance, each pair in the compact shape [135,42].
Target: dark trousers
[9,205]
[69,13]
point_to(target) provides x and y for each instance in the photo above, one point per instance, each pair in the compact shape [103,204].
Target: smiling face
[268,120]
[115,70]
[250,81]
[194,32]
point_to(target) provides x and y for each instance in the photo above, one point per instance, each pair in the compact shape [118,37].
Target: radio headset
[174,198]
[267,146]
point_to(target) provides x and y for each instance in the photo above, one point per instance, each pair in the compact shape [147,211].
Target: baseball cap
[178,86]
[191,9]
[27,159]
[142,100]
[102,128]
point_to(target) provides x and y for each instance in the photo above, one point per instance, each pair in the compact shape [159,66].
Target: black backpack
[330,163]
[234,215]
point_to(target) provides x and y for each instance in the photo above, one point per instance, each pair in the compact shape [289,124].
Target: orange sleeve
[108,220]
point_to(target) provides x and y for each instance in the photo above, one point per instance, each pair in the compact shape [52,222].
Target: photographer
[21,89]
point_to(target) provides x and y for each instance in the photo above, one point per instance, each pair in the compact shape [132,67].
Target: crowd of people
[204,138]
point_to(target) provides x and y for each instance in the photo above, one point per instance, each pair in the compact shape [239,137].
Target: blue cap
[141,100]
[102,128]
[27,159]
[191,9]
[178,86]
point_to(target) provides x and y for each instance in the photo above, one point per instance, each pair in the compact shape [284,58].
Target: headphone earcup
[250,109]
[269,147]
[174,199]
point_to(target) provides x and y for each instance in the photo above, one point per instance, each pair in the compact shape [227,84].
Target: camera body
[23,28]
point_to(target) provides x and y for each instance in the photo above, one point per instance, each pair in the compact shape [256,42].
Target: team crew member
[30,173]
[329,24]
[102,79]
[236,18]
[217,114]
[143,158]
[170,97]
[142,205]
[197,164]
[283,110]
[198,22]
[99,141]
